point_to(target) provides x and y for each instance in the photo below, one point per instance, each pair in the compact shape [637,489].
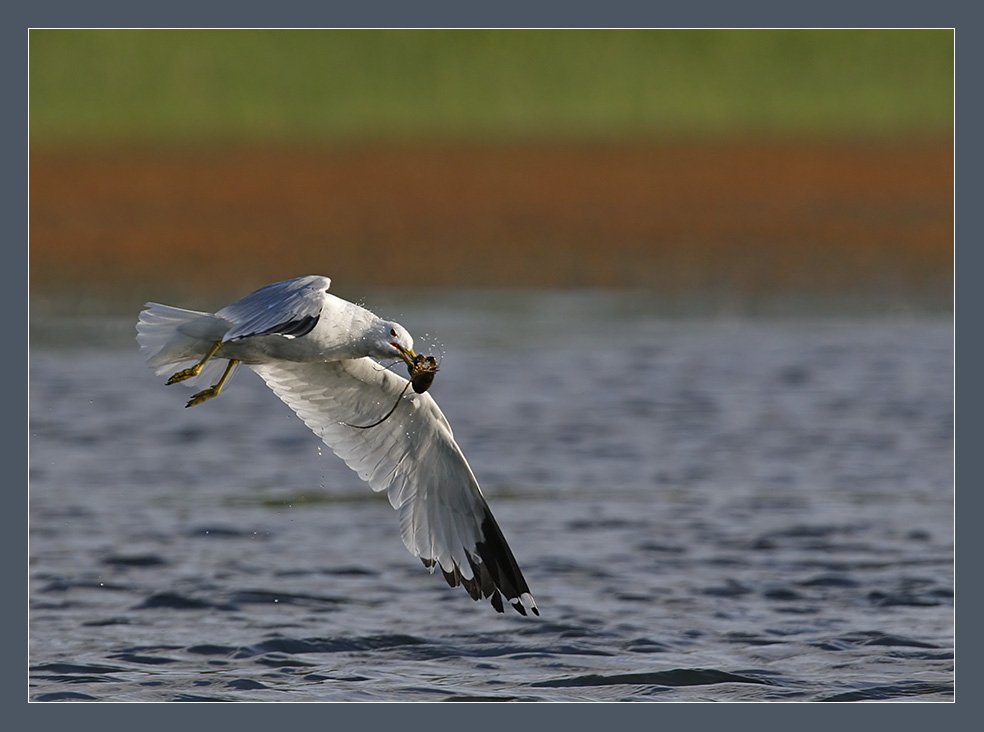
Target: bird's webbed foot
[193,371]
[213,391]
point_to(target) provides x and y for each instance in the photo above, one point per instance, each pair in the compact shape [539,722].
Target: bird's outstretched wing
[444,518]
[289,309]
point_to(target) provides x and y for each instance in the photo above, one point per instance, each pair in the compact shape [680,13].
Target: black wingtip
[495,572]
[291,328]
[498,573]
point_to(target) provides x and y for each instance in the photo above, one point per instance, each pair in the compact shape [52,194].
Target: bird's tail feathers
[174,338]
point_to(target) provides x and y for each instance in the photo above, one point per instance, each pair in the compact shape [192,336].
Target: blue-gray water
[714,508]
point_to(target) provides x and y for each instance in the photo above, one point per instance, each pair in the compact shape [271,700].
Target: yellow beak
[406,355]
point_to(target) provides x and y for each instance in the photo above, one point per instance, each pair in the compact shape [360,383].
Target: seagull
[319,354]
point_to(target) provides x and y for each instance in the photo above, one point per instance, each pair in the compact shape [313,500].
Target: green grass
[344,85]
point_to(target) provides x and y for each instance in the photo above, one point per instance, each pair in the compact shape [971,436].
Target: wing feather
[291,308]
[413,458]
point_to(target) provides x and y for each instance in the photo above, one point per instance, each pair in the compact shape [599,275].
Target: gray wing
[290,308]
[412,456]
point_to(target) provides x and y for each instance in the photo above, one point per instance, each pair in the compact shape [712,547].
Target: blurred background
[714,166]
[692,293]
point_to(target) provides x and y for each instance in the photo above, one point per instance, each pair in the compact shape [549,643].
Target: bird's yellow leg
[212,391]
[194,370]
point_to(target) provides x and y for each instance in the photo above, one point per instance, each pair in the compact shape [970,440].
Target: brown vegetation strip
[742,216]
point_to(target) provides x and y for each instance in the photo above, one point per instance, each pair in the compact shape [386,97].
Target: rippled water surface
[705,509]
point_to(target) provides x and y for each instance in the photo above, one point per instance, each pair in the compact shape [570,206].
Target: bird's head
[397,342]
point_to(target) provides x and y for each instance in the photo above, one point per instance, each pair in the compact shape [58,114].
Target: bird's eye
[393,332]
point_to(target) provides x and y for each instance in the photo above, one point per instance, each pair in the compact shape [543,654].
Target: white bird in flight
[316,352]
